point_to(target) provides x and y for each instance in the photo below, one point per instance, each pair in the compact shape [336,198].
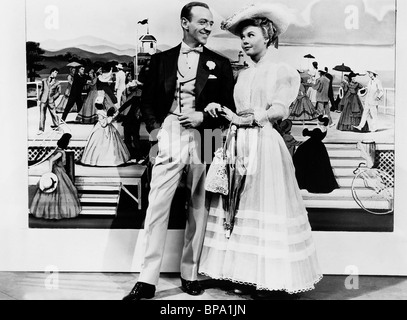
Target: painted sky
[116,21]
[321,22]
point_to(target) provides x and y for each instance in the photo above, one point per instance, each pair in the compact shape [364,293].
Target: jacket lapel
[170,69]
[202,73]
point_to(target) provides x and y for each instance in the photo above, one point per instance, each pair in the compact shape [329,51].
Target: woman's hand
[261,117]
[213,109]
[227,113]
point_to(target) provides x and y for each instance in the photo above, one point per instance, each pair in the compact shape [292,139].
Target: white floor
[114,286]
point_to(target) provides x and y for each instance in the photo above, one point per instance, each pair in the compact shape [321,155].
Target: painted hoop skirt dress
[63,203]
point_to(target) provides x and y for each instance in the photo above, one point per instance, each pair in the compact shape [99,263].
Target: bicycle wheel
[373,191]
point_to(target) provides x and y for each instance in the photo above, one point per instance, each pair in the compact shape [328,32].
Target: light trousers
[177,152]
[323,108]
[43,111]
[370,115]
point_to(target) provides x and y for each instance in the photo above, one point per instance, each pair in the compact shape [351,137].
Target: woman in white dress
[105,147]
[314,75]
[268,246]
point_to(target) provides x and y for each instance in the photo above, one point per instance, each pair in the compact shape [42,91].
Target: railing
[389,101]
[386,105]
[38,90]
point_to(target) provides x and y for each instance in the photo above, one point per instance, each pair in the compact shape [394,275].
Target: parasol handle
[341,93]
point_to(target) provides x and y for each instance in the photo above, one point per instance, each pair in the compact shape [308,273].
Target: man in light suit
[374,94]
[120,84]
[180,84]
[322,87]
[50,91]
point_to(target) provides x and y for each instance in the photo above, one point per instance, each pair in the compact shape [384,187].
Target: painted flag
[145,21]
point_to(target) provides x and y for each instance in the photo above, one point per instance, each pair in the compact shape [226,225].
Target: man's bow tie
[188,50]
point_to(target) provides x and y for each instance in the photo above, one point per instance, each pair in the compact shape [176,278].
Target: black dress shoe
[141,291]
[243,289]
[191,287]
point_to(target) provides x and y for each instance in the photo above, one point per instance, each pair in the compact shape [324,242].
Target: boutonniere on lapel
[210,65]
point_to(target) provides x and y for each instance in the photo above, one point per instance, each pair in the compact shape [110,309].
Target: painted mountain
[95,49]
[92,48]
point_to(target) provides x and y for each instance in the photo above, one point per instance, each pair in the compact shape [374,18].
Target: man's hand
[191,120]
[213,109]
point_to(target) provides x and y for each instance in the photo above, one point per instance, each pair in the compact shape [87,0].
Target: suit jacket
[374,91]
[212,85]
[322,87]
[50,91]
[120,80]
[78,83]
[331,90]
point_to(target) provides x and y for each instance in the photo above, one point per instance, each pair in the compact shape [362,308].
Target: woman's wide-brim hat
[352,75]
[323,119]
[286,125]
[372,71]
[48,182]
[278,14]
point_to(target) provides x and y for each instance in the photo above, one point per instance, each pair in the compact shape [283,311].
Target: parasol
[73,64]
[309,57]
[342,68]
[229,203]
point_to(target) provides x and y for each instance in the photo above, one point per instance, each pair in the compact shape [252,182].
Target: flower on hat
[211,65]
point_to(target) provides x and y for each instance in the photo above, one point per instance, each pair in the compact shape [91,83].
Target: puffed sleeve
[284,83]
[102,118]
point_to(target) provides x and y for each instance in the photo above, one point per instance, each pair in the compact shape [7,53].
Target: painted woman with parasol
[344,87]
[263,239]
[352,105]
[56,196]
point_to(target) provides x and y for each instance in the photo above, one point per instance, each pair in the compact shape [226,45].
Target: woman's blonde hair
[266,26]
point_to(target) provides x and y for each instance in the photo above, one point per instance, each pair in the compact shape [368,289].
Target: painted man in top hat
[180,84]
[50,91]
[373,96]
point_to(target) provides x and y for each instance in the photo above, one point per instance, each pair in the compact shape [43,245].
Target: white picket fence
[37,85]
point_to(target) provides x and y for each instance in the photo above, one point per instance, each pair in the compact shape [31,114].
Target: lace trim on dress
[264,288]
[217,178]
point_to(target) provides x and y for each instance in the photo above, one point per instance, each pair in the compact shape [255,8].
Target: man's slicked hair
[186,10]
